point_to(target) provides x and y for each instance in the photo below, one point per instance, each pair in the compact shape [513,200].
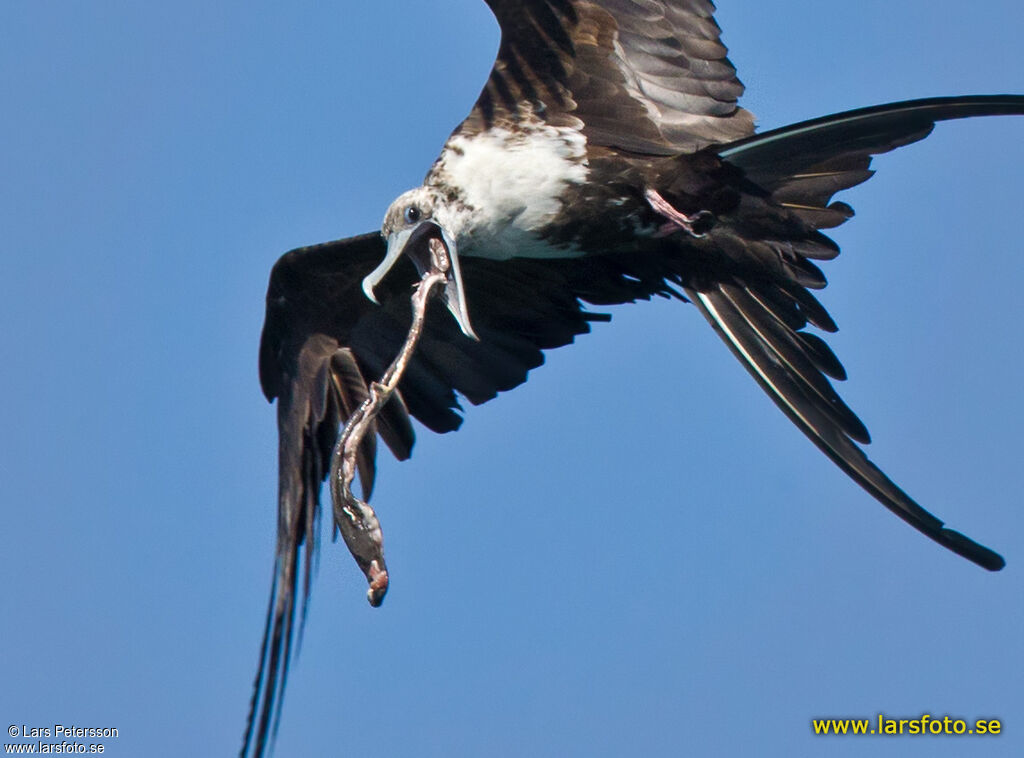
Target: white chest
[510,184]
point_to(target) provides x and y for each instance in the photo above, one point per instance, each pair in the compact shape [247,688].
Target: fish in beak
[415,243]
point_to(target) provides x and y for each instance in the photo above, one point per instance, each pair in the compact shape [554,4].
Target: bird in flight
[606,161]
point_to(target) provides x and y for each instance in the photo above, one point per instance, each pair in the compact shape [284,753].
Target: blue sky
[634,553]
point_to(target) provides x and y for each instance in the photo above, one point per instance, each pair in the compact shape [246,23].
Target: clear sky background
[633,554]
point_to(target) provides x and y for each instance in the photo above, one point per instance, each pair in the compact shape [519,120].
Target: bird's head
[412,220]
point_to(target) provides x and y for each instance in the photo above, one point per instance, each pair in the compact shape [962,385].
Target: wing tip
[971,550]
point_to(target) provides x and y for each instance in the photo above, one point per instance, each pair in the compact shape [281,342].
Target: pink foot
[676,219]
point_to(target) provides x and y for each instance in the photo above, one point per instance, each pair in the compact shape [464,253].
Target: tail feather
[737,325]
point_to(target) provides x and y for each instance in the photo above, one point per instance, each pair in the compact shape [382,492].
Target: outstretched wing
[650,76]
[323,342]
[761,311]
[307,365]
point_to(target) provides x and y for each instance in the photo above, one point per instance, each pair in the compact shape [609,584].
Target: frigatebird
[606,161]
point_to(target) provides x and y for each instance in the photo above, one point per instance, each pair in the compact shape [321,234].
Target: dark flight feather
[651,77]
[789,392]
[323,342]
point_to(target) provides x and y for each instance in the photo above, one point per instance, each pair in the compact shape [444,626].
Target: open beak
[415,243]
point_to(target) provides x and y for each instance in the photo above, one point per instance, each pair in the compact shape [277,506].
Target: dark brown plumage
[648,88]
[666,88]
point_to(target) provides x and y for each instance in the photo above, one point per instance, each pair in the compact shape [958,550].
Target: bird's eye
[412,214]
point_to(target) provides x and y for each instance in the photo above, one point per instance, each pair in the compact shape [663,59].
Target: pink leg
[676,219]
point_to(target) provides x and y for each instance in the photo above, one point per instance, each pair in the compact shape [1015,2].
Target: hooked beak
[415,243]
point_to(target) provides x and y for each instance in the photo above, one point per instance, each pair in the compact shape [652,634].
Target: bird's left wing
[760,305]
[323,343]
[307,365]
